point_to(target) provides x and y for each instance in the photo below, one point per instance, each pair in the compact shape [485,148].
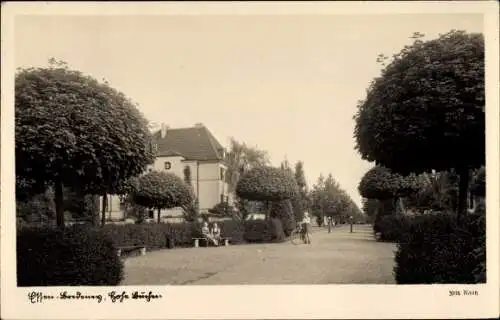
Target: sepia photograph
[206,150]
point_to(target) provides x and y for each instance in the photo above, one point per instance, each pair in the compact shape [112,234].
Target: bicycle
[297,236]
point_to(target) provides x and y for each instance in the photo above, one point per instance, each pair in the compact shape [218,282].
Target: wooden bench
[132,248]
[197,242]
[225,240]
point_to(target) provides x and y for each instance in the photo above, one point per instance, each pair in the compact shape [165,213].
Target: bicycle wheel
[295,237]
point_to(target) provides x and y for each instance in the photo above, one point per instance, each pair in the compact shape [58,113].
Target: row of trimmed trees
[388,193]
[425,113]
[328,199]
[284,192]
[78,139]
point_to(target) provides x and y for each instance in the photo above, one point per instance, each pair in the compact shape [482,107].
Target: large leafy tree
[318,197]
[426,110]
[301,202]
[192,209]
[370,208]
[72,130]
[382,184]
[240,158]
[329,199]
[267,184]
[160,190]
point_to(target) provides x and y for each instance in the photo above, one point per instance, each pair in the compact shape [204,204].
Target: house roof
[193,143]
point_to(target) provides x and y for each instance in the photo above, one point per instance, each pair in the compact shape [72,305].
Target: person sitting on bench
[205,231]
[216,232]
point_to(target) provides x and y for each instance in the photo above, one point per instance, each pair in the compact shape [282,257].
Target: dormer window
[167,165]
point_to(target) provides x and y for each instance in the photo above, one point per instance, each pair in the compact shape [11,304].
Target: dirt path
[338,257]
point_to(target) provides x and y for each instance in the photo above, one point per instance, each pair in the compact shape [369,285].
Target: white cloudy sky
[288,84]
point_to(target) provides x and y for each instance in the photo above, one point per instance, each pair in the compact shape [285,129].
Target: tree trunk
[59,202]
[394,205]
[402,205]
[268,210]
[159,210]
[462,192]
[95,210]
[104,206]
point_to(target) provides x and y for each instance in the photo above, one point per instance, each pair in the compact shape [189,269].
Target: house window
[222,198]
[122,203]
[222,171]
[151,214]
[167,165]
[154,147]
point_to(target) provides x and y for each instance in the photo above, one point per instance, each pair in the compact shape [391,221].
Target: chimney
[163,130]
[199,125]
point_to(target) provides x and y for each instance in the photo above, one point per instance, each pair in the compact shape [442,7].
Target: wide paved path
[338,257]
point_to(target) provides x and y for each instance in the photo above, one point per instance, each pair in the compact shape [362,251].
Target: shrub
[39,208]
[258,231]
[155,236]
[479,253]
[283,210]
[277,232]
[233,229]
[222,209]
[391,227]
[437,250]
[77,256]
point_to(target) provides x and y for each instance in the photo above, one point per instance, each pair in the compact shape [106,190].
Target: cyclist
[306,227]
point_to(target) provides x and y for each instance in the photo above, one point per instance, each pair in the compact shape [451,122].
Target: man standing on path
[306,226]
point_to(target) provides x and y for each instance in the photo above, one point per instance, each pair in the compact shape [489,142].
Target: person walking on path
[306,227]
[329,224]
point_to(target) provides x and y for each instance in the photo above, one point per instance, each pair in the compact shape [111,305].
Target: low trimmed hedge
[392,228]
[156,236]
[437,250]
[258,231]
[77,256]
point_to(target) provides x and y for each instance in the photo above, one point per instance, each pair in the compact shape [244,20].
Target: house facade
[180,148]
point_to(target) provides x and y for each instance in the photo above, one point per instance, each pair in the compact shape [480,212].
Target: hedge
[437,250]
[76,256]
[156,236]
[392,228]
[258,231]
[84,255]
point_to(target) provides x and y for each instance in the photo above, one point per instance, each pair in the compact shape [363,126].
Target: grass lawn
[337,258]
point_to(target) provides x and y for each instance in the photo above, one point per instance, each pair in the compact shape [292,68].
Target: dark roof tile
[195,143]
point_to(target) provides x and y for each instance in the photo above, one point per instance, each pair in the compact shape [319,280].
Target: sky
[288,84]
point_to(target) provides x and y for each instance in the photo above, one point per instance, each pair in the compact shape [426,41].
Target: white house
[193,147]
